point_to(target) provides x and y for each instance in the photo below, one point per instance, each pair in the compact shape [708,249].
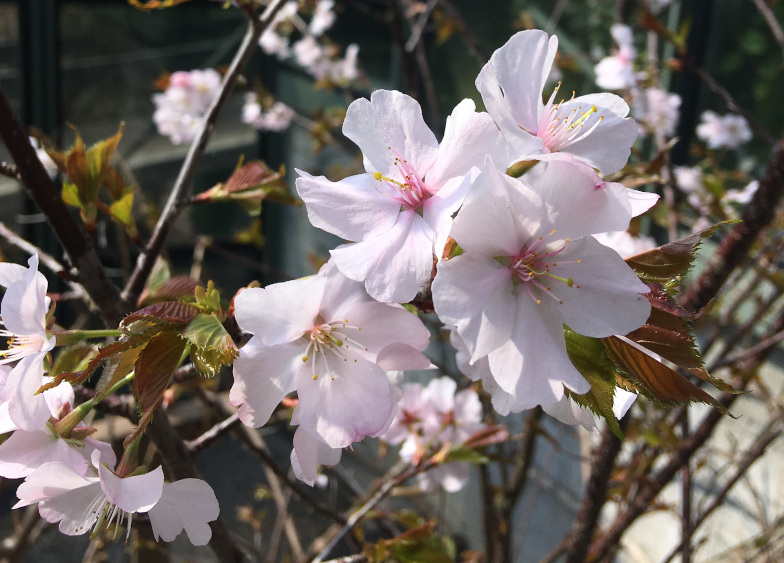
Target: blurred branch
[178,195]
[10,171]
[469,37]
[419,26]
[773,24]
[88,268]
[766,437]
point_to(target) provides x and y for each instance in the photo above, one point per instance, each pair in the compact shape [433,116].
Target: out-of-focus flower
[399,212]
[615,72]
[323,17]
[659,110]
[592,128]
[180,110]
[689,178]
[277,118]
[529,267]
[742,196]
[430,417]
[272,42]
[723,131]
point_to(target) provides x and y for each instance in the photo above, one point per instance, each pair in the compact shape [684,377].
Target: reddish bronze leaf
[166,312]
[154,369]
[670,261]
[174,288]
[656,380]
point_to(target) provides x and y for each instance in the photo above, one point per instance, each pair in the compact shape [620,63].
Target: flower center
[411,192]
[533,267]
[563,123]
[329,342]
[20,345]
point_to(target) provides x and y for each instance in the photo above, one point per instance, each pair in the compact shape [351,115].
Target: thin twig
[418,27]
[686,526]
[377,497]
[217,431]
[470,38]
[772,22]
[144,264]
[43,258]
[766,438]
[749,353]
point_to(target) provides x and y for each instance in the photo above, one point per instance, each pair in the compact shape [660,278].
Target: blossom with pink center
[593,128]
[325,338]
[80,502]
[398,214]
[529,267]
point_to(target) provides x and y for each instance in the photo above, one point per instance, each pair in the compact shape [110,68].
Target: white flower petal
[187,504]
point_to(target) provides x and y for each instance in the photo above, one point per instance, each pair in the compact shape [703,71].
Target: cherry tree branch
[88,270]
[182,185]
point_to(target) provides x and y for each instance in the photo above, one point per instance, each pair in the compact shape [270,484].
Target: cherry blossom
[625,244]
[594,128]
[323,17]
[26,450]
[327,339]
[659,110]
[430,417]
[564,410]
[187,504]
[23,309]
[272,42]
[276,118]
[529,267]
[398,214]
[723,131]
[81,502]
[179,111]
[615,72]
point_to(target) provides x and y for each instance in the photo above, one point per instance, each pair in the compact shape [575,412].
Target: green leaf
[70,195]
[122,210]
[669,262]
[73,358]
[589,357]
[206,331]
[654,379]
[461,453]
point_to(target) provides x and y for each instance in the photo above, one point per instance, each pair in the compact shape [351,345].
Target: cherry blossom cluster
[70,475]
[180,109]
[276,118]
[430,417]
[499,215]
[312,52]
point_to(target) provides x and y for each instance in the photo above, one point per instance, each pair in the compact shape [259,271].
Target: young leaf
[589,357]
[655,380]
[669,262]
[154,369]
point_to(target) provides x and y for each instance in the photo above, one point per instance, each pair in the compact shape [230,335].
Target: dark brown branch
[178,195]
[735,247]
[178,461]
[602,463]
[469,37]
[88,268]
